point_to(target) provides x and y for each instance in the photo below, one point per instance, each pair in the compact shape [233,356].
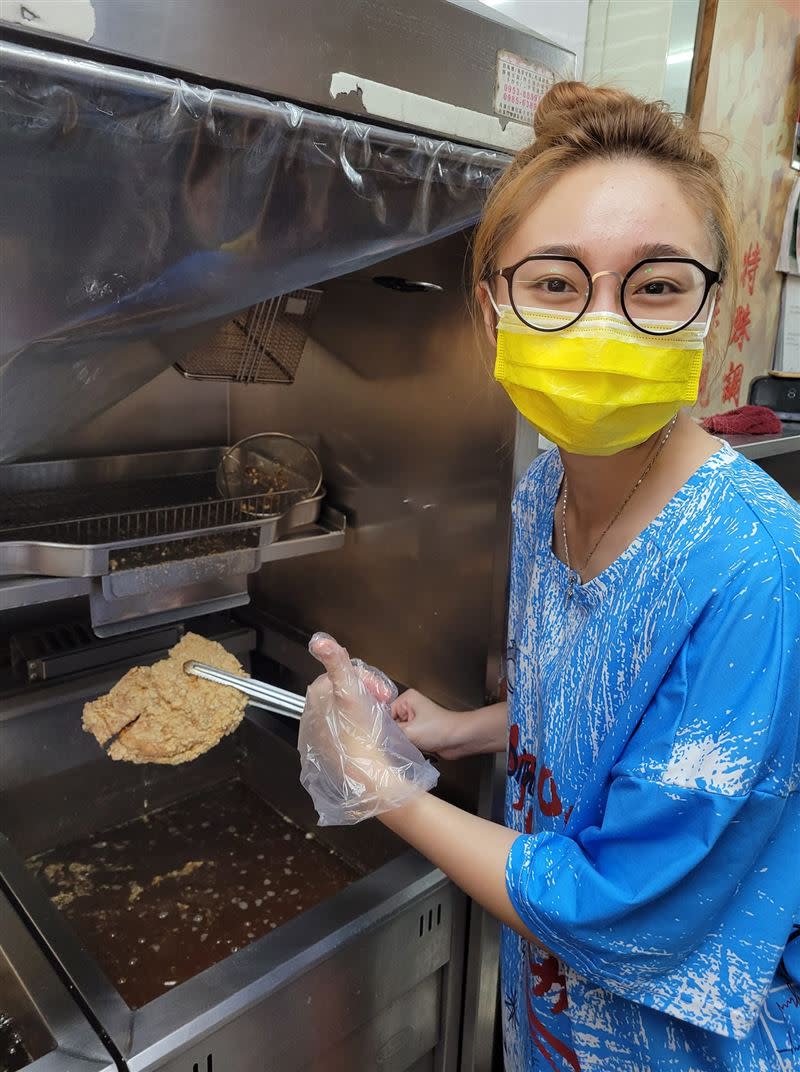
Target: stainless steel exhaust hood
[137,209]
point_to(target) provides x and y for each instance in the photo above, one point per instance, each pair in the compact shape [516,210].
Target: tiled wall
[644,46]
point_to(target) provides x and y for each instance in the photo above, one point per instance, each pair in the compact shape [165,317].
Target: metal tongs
[259,693]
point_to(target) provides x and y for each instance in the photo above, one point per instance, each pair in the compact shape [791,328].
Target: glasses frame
[711,277]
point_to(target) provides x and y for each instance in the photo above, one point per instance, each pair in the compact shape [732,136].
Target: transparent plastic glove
[355,761]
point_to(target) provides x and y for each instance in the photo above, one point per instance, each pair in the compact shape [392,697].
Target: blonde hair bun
[566,103]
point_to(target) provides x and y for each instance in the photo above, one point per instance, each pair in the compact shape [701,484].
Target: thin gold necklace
[575,574]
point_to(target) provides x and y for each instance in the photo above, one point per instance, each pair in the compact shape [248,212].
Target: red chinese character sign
[750,263]
[746,103]
[741,323]
[732,383]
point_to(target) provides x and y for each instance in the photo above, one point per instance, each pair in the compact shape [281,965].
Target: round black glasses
[658,296]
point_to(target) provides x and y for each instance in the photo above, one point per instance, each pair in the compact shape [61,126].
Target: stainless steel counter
[767,446]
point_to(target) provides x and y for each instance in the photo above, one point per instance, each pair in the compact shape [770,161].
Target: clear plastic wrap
[355,760]
[136,207]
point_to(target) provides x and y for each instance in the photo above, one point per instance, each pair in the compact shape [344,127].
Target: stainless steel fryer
[293,995]
[54,1033]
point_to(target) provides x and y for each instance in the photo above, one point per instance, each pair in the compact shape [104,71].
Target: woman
[647,876]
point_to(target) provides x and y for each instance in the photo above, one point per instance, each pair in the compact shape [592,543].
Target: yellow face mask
[599,386]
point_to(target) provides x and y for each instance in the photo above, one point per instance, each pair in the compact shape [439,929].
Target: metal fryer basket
[262,345]
[271,466]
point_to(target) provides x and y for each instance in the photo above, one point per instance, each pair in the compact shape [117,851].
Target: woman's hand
[355,761]
[451,734]
[433,729]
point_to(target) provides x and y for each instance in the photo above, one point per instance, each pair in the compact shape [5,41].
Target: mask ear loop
[495,306]
[712,310]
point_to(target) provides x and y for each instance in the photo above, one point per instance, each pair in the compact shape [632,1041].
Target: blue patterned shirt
[653,771]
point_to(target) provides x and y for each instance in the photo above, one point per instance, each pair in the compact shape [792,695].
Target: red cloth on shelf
[746,420]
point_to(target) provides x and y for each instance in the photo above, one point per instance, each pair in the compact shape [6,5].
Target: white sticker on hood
[414,110]
[521,84]
[70,18]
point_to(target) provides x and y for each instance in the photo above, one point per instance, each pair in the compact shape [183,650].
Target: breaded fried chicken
[161,714]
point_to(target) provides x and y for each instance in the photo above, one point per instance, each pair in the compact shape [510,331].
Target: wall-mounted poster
[751,101]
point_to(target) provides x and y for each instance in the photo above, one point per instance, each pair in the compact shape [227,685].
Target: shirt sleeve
[682,897]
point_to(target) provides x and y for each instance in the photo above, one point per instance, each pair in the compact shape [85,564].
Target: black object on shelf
[779,393]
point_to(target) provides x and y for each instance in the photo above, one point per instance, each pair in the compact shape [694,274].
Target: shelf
[28,591]
[327,534]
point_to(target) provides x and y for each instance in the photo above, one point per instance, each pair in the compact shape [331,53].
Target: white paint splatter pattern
[707,761]
[654,765]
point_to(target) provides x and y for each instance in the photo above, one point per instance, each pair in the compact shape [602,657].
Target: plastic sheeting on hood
[135,207]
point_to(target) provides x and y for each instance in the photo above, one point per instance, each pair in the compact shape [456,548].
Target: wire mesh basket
[270,471]
[264,344]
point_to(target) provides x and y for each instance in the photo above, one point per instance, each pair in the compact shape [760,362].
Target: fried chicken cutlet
[160,714]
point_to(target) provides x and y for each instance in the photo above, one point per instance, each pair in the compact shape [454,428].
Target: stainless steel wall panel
[416,442]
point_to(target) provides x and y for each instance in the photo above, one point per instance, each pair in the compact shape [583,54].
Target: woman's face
[609,214]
